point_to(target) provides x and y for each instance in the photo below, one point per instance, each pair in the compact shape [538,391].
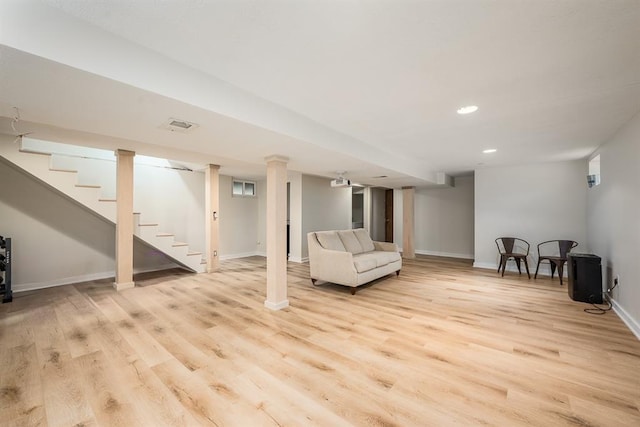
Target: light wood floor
[443,344]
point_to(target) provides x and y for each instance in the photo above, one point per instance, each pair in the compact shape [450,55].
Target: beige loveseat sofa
[350,257]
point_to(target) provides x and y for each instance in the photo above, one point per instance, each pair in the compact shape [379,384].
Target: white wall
[613,220]
[296,237]
[444,219]
[323,207]
[175,200]
[535,202]
[239,221]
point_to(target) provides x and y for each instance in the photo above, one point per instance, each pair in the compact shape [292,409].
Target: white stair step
[24,150]
[177,244]
[193,253]
[164,235]
[148,225]
[107,200]
[87,186]
[62,170]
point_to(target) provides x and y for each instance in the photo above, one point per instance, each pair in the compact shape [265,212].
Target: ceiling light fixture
[468,109]
[489,150]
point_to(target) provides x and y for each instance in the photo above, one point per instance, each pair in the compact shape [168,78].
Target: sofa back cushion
[350,242]
[330,240]
[364,239]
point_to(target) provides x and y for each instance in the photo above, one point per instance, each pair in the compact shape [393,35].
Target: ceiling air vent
[177,125]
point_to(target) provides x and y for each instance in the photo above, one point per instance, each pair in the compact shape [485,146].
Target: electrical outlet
[616,281]
[215,253]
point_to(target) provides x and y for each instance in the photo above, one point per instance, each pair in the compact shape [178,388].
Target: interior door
[388,216]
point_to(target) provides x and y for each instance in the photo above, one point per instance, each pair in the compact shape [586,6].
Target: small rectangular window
[593,178]
[244,188]
[249,189]
[238,188]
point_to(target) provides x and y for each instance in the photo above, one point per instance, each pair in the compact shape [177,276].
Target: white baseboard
[276,306]
[631,323]
[299,260]
[444,254]
[239,255]
[485,265]
[24,287]
[511,267]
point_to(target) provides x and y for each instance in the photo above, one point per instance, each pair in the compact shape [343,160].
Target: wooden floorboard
[442,344]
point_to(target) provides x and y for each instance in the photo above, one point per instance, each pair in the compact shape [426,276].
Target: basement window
[244,188]
[593,178]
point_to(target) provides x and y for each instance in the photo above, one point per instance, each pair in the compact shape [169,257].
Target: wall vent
[179,125]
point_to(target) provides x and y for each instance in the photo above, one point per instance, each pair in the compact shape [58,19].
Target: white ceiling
[370,87]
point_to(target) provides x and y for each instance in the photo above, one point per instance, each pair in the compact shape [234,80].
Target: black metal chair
[513,247]
[554,251]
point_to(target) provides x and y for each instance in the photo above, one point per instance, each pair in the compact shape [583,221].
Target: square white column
[276,233]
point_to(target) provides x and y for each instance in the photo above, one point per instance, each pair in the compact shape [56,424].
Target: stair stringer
[38,165]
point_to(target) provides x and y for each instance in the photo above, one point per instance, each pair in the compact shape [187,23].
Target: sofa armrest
[386,247]
[333,266]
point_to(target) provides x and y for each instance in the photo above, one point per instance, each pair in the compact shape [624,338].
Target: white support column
[408,248]
[276,233]
[212,213]
[124,220]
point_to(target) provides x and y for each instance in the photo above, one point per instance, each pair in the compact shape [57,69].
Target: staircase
[38,165]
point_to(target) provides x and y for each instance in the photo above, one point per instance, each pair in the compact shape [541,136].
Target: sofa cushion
[364,239]
[330,240]
[383,258]
[364,262]
[350,242]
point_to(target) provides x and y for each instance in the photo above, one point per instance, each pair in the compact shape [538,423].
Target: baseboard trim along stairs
[38,165]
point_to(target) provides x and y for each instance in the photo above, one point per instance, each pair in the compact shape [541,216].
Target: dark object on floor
[585,278]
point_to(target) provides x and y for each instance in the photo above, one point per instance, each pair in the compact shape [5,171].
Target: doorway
[357,207]
[388,215]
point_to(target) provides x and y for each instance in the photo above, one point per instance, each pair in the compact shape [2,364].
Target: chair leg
[526,265]
[518,264]
[537,267]
[553,268]
[560,270]
[503,263]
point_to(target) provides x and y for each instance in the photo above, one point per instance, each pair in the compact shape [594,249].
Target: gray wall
[443,219]
[535,202]
[613,219]
[323,207]
[377,214]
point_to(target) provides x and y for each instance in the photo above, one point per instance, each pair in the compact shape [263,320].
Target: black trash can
[585,277]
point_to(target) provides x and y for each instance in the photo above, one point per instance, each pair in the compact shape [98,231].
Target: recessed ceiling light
[468,109]
[489,151]
[177,125]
